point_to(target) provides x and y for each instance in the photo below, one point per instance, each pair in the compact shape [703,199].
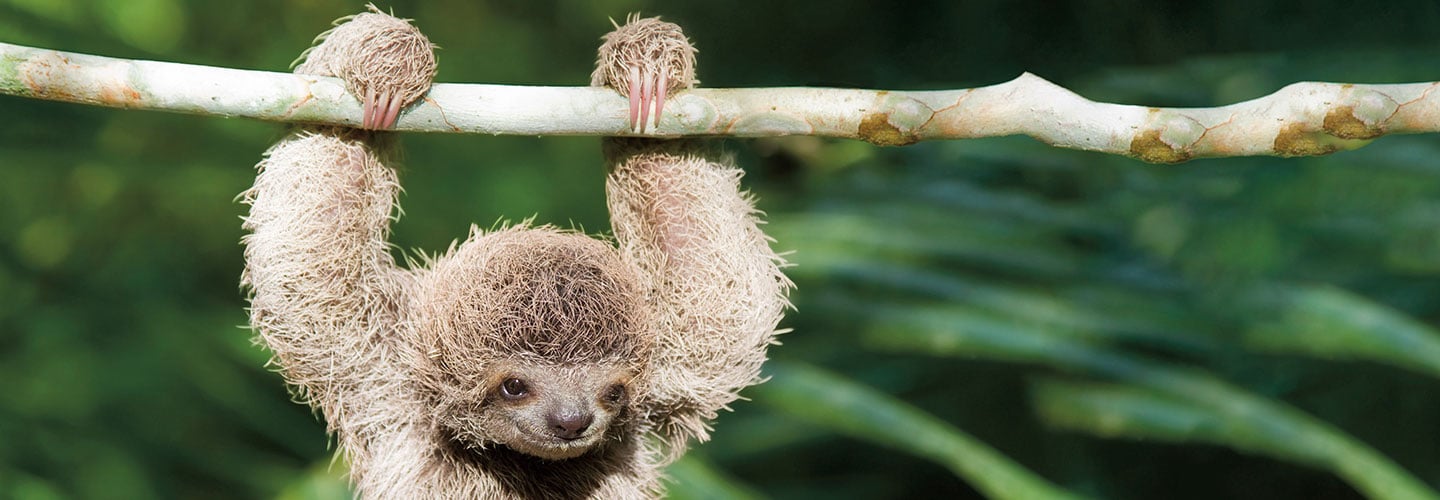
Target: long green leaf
[693,478]
[825,399]
[1117,410]
[1249,422]
[1333,323]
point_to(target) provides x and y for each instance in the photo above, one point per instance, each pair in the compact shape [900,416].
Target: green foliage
[1159,402]
[693,478]
[975,318]
[1328,322]
[832,402]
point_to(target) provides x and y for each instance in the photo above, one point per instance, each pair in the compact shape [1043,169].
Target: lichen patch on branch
[1147,146]
[876,129]
[1297,139]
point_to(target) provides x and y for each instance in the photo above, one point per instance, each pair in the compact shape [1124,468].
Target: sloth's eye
[616,393]
[513,388]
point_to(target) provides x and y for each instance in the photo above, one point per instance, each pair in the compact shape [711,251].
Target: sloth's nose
[569,425]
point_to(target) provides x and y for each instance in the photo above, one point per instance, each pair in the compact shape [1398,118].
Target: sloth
[524,362]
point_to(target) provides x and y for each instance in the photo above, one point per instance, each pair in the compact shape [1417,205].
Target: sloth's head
[532,339]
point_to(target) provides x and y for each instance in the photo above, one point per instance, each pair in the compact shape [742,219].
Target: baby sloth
[525,362]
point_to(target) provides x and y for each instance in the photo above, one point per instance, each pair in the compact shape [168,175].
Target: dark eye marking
[513,388]
[615,394]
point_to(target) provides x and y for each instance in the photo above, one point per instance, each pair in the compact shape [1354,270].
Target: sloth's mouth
[583,441]
[553,447]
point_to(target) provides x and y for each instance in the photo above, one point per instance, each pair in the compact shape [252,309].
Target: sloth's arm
[715,285]
[326,293]
[324,288]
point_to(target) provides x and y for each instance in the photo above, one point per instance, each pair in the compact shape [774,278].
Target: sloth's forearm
[678,212]
[323,281]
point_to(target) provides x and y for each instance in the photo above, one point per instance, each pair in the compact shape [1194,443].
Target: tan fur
[653,45]
[404,363]
[717,289]
[375,54]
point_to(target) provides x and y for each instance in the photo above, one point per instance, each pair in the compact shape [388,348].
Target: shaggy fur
[409,366]
[646,60]
[384,61]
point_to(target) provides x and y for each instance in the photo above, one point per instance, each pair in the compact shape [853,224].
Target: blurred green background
[980,318]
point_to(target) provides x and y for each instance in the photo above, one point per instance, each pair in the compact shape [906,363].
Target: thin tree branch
[1301,119]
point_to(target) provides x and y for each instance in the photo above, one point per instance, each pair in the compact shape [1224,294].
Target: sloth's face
[553,412]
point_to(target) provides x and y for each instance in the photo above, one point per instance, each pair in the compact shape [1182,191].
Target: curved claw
[634,85]
[392,112]
[380,112]
[367,107]
[646,89]
[647,93]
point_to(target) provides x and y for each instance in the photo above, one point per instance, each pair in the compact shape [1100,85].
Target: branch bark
[1302,119]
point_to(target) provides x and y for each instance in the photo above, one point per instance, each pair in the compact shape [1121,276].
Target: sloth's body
[527,362]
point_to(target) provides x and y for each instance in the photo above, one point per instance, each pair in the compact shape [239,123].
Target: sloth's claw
[380,112]
[392,112]
[385,62]
[635,97]
[367,108]
[646,90]
[642,59]
[647,94]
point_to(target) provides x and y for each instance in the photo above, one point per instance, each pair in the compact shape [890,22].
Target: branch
[1301,119]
